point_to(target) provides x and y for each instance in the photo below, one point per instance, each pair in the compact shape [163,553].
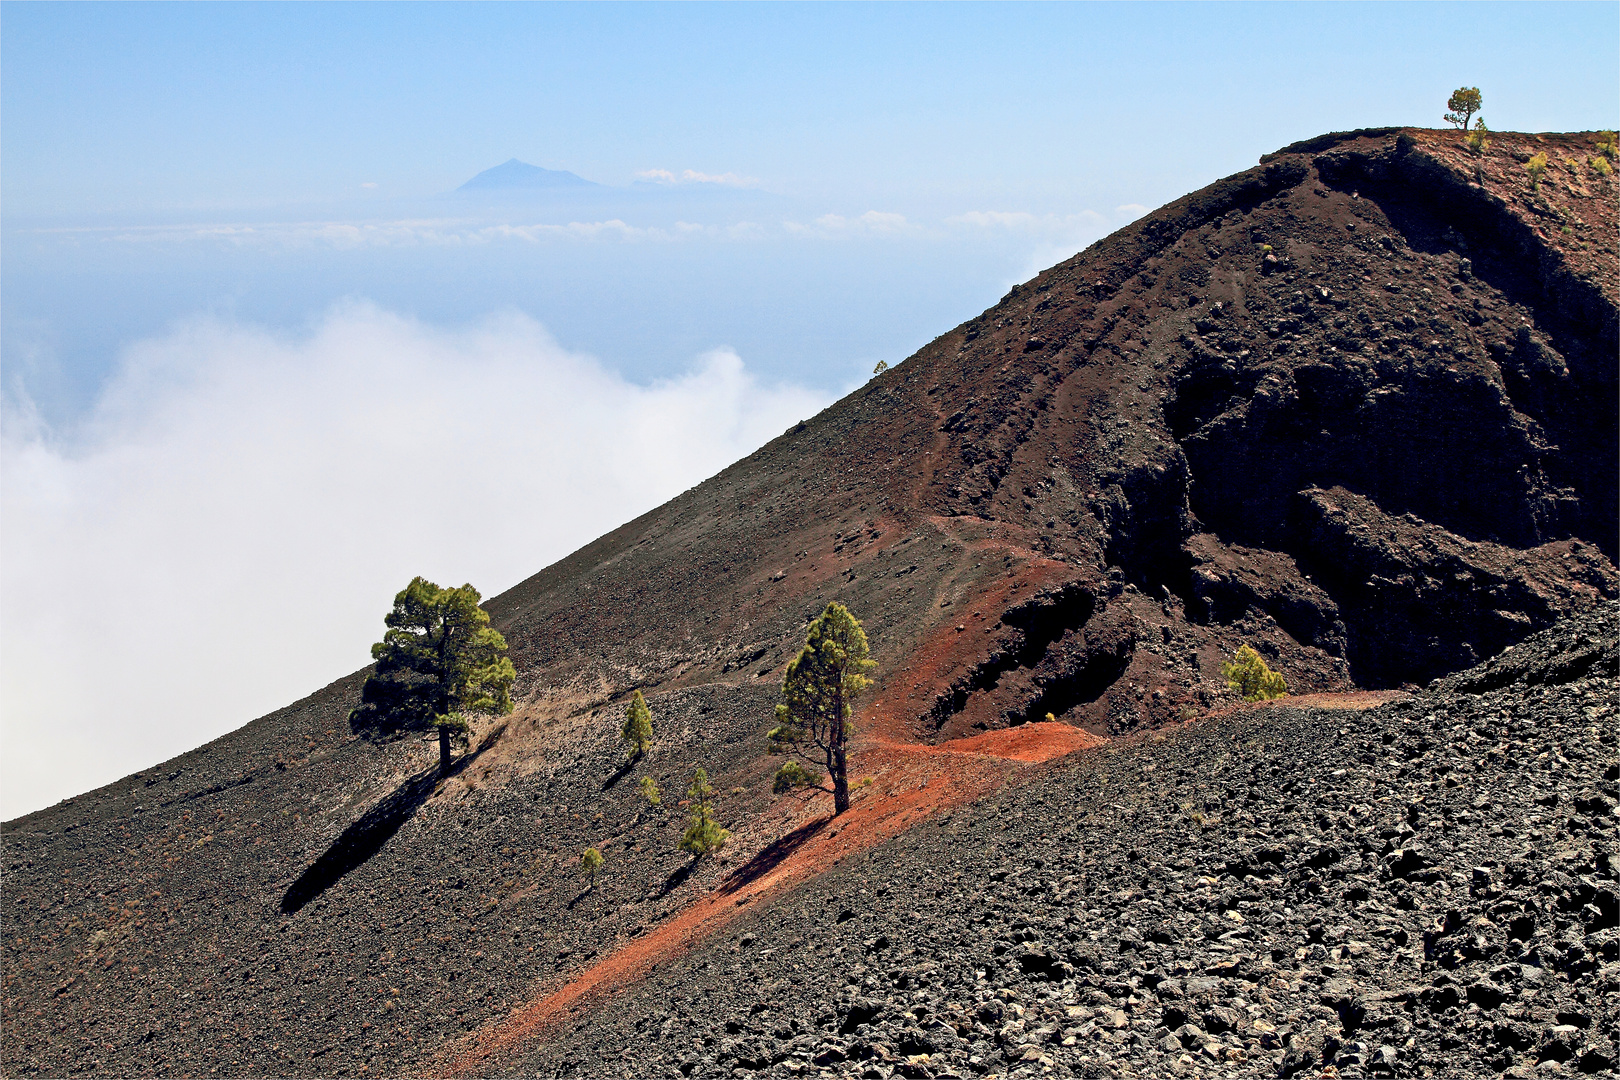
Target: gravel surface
[1352,407]
[1425,888]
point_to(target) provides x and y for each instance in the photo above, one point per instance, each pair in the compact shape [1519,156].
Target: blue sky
[132,115]
[133,107]
[230,265]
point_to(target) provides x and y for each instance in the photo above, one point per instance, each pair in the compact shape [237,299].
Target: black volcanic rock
[1424,888]
[1380,452]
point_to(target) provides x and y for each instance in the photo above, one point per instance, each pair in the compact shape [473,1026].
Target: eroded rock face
[1357,393]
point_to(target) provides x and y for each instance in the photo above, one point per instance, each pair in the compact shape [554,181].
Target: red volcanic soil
[1353,407]
[907,782]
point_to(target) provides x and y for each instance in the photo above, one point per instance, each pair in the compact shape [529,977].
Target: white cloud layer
[403,233]
[692,176]
[225,533]
[871,223]
[1061,229]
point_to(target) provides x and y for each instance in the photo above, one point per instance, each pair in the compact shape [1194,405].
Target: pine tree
[649,788]
[591,861]
[1248,674]
[438,661]
[1464,102]
[638,728]
[703,833]
[818,695]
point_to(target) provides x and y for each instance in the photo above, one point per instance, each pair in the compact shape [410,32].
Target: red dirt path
[908,782]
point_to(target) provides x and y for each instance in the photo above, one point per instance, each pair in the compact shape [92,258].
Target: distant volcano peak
[515,174]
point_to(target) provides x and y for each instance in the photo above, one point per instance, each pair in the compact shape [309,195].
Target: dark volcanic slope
[1427,888]
[1379,451]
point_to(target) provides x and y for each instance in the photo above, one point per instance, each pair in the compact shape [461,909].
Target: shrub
[1600,165]
[1477,142]
[649,788]
[1606,144]
[882,366]
[1535,167]
[793,775]
[1464,102]
[1248,674]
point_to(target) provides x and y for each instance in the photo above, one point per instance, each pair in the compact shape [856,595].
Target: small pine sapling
[1464,102]
[638,727]
[882,366]
[649,789]
[1608,144]
[1535,167]
[703,833]
[590,861]
[1248,674]
[1477,142]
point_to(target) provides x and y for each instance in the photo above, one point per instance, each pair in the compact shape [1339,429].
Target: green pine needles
[1536,166]
[1248,674]
[438,662]
[818,696]
[590,861]
[649,791]
[1464,102]
[792,775]
[703,833]
[638,726]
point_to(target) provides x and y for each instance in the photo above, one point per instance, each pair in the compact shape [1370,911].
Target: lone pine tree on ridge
[438,661]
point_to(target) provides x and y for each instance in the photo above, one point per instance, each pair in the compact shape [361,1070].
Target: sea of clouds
[223,533]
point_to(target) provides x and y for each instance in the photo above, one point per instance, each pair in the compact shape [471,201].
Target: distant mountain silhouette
[518,175]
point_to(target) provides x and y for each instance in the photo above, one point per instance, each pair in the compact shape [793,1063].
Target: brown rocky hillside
[1355,406]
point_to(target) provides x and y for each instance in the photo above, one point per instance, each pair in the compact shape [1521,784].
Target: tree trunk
[840,778]
[837,766]
[444,750]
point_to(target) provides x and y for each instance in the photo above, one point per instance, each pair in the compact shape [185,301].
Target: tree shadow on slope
[764,860]
[375,827]
[621,772]
[772,855]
